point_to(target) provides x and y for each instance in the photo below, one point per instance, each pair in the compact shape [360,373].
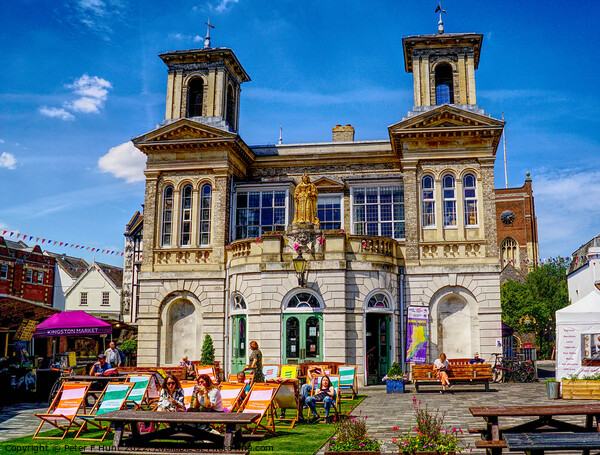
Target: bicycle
[504,370]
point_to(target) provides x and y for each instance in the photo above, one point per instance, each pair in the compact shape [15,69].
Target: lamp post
[300,268]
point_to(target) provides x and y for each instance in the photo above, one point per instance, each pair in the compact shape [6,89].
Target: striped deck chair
[289,371]
[188,392]
[139,396]
[286,398]
[260,400]
[112,399]
[348,380]
[336,405]
[270,371]
[209,370]
[249,381]
[64,408]
[230,395]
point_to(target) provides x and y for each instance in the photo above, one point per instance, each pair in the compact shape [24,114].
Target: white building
[67,270]
[585,270]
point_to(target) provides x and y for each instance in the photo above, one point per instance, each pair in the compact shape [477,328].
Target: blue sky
[81,77]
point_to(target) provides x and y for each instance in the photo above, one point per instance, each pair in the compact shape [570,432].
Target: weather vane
[440,23]
[207,40]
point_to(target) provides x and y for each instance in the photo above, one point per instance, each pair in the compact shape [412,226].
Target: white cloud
[567,204]
[198,39]
[56,112]
[99,15]
[8,160]
[2,141]
[224,4]
[125,162]
[184,37]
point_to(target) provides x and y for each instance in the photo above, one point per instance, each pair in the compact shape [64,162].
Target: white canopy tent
[578,338]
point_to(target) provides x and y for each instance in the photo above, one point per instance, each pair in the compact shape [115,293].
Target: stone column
[151,205]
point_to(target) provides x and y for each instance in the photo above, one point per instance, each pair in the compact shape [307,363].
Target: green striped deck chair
[138,396]
[112,399]
[348,380]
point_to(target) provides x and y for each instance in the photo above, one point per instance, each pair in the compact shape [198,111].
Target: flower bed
[351,437]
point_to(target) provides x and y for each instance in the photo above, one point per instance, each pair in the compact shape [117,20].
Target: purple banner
[416,334]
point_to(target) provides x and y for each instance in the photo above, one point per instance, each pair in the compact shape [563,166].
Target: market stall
[578,338]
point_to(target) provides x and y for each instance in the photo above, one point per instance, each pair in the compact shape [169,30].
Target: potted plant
[429,436]
[394,380]
[351,438]
[552,388]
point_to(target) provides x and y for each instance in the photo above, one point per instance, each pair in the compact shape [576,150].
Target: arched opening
[444,84]
[470,199]
[428,201]
[230,113]
[205,215]
[303,325]
[195,97]
[453,317]
[185,235]
[239,345]
[509,252]
[181,337]
[449,199]
[167,216]
[377,336]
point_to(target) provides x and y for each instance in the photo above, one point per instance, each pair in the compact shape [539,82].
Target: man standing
[112,355]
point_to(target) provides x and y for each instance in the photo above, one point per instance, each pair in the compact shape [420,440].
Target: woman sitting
[440,366]
[171,395]
[206,396]
[324,393]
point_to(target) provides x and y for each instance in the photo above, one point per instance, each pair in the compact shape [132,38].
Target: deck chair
[270,371]
[64,408]
[249,381]
[230,395]
[286,398]
[348,381]
[188,392]
[209,370]
[260,400]
[139,395]
[112,399]
[336,405]
[289,371]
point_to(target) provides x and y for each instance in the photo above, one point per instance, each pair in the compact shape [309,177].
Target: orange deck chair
[188,392]
[209,370]
[230,395]
[260,400]
[64,408]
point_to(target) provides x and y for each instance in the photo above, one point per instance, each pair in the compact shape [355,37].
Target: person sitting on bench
[476,359]
[441,371]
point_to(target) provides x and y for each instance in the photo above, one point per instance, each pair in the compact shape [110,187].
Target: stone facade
[218,251]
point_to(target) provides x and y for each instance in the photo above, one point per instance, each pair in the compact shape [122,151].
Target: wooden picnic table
[179,426]
[537,443]
[86,377]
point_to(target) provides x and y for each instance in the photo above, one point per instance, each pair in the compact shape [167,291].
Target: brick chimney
[343,133]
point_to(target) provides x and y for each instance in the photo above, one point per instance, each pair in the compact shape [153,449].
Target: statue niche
[305,199]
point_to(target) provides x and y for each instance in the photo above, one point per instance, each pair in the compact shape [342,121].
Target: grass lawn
[303,439]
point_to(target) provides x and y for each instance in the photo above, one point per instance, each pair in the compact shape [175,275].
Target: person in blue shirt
[476,359]
[100,366]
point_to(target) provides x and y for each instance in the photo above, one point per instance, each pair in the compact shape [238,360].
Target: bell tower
[204,85]
[443,68]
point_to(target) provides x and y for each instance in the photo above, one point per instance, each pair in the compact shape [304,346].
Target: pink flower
[296,246]
[321,241]
[394,440]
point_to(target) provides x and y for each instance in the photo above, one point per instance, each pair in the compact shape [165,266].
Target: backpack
[123,357]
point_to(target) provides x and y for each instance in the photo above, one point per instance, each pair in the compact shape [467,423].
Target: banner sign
[25,330]
[416,334]
[75,331]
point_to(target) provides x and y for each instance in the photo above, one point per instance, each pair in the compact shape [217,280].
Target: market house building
[408,220]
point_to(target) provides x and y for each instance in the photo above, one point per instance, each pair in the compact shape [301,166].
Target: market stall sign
[26,329]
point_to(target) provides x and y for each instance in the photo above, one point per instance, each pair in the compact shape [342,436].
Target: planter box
[428,452]
[394,386]
[580,390]
[352,452]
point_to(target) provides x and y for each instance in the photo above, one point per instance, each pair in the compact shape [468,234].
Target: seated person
[189,368]
[171,395]
[440,367]
[324,393]
[241,377]
[206,396]
[476,359]
[313,372]
[100,367]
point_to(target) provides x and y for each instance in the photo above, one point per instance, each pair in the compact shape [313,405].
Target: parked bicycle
[504,370]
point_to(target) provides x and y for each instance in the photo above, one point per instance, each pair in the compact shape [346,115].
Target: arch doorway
[239,346]
[378,337]
[454,327]
[303,328]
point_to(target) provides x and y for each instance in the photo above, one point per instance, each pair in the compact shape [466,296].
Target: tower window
[195,97]
[205,207]
[444,84]
[167,216]
[186,215]
[230,116]
[509,252]
[449,196]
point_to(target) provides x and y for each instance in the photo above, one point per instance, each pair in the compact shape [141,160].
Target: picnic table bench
[537,443]
[181,428]
[457,373]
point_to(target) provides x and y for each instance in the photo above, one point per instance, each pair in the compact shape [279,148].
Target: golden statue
[305,198]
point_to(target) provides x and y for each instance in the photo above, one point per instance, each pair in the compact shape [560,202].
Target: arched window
[509,249]
[378,300]
[444,84]
[205,211]
[304,300]
[195,97]
[230,115]
[470,198]
[428,200]
[186,216]
[167,216]
[238,304]
[449,199]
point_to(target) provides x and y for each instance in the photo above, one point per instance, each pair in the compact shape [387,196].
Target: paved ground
[18,420]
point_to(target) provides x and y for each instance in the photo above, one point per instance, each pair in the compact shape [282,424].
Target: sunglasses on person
[171,383]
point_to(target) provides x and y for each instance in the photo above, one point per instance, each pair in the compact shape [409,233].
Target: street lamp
[300,268]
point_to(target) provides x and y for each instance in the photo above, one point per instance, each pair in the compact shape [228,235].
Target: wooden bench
[491,447]
[178,372]
[457,373]
[537,443]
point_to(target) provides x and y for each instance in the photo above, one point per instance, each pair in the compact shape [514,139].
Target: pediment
[328,184]
[183,130]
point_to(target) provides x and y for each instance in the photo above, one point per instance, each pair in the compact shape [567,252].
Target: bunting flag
[18,235]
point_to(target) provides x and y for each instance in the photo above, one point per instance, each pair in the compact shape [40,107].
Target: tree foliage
[531,306]
[208,351]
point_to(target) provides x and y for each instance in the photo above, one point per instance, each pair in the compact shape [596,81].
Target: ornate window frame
[303,309]
[449,216]
[205,215]
[428,201]
[470,200]
[166,211]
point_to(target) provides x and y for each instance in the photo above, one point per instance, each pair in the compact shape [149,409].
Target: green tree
[531,306]
[208,351]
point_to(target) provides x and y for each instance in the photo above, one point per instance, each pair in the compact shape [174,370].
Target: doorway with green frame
[302,329]
[378,338]
[239,343]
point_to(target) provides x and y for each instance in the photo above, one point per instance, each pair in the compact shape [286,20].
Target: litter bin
[552,389]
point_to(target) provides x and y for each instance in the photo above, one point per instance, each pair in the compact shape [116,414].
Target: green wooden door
[384,346]
[238,345]
[303,337]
